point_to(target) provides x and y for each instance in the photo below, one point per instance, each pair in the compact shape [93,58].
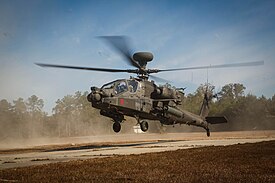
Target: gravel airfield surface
[189,157]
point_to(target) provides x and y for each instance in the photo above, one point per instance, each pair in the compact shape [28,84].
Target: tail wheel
[162,129]
[144,126]
[208,133]
[116,127]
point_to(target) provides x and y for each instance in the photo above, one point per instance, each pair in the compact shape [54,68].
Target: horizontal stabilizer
[216,120]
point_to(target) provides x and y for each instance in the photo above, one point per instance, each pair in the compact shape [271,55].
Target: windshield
[133,84]
[120,87]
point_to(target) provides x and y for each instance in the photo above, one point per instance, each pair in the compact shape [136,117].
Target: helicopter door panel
[138,105]
[144,105]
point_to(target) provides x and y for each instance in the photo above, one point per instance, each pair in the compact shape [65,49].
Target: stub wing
[216,120]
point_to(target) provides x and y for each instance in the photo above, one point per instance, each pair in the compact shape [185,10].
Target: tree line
[73,115]
[244,112]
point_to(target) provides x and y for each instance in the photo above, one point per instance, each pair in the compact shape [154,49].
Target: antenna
[207,75]
[207,80]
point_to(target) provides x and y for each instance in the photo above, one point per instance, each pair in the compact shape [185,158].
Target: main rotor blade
[245,64]
[159,79]
[121,44]
[87,68]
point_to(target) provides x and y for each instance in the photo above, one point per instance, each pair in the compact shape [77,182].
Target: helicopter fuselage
[143,100]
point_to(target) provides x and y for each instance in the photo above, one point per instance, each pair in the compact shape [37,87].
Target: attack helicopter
[141,98]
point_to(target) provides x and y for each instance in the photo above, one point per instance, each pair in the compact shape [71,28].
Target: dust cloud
[29,133]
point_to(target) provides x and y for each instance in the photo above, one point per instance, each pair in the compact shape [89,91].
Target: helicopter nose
[94,97]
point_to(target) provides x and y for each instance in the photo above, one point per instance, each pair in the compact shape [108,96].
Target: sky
[179,34]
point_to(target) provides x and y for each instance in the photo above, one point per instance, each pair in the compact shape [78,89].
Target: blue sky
[178,33]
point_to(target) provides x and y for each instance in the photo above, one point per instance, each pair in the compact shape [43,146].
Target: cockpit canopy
[121,86]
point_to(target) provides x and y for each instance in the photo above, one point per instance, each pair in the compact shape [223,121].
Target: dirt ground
[42,144]
[253,162]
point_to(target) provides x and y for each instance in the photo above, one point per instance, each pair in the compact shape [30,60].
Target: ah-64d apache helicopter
[143,99]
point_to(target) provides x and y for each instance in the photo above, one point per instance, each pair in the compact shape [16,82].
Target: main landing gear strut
[143,126]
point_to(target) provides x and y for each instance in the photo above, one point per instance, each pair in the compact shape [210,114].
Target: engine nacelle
[167,93]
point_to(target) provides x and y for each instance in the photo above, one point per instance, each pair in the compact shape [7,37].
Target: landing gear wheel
[116,127]
[208,132]
[144,126]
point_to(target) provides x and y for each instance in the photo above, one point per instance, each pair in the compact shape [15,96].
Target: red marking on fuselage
[121,101]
